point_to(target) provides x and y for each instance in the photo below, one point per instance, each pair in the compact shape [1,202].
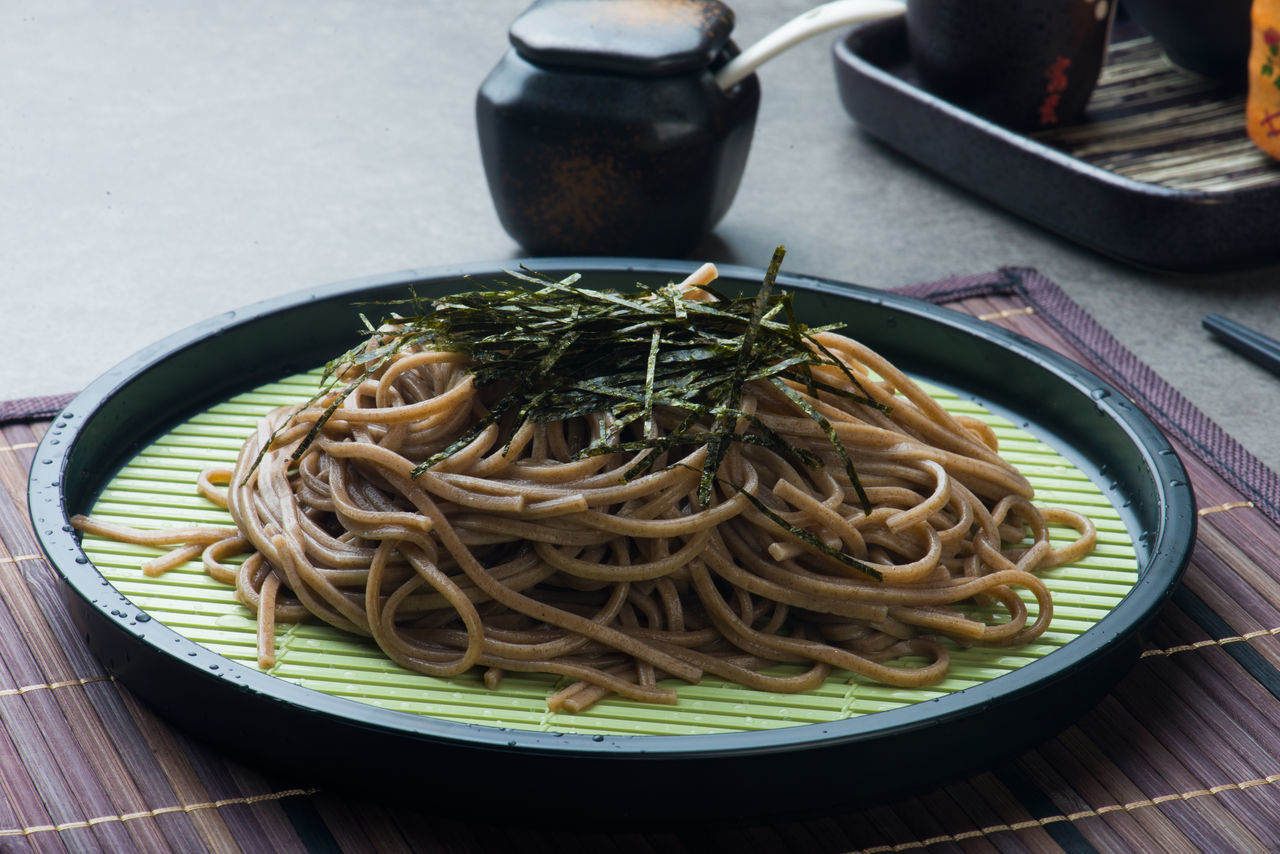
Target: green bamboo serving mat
[156,489]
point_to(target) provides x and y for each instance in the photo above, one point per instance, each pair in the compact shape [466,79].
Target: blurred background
[164,163]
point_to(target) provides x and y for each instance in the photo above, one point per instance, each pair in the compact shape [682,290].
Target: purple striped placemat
[32,408]
[1183,755]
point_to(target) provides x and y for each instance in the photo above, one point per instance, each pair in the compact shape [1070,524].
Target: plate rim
[1168,553]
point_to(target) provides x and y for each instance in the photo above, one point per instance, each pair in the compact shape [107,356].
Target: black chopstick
[1256,346]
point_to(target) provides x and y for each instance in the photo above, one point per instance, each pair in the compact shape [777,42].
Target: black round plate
[441,764]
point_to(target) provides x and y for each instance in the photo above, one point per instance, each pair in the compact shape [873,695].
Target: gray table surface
[163,162]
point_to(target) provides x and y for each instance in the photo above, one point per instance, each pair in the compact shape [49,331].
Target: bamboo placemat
[1183,755]
[1154,122]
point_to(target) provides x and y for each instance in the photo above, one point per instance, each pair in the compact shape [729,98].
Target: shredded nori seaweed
[561,351]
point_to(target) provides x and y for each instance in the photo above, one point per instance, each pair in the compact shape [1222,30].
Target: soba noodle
[516,554]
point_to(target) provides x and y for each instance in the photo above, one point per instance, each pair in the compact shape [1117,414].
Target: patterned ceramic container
[603,131]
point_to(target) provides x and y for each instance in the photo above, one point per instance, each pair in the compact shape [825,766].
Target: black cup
[1025,64]
[1209,37]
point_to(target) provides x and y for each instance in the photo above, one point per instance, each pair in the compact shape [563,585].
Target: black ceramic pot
[1025,65]
[1209,37]
[603,131]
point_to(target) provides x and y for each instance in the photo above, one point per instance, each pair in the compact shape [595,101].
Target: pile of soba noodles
[620,511]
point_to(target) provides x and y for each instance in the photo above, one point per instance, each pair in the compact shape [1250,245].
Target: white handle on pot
[839,13]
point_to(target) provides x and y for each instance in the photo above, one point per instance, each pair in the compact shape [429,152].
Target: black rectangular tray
[1159,173]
